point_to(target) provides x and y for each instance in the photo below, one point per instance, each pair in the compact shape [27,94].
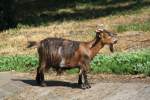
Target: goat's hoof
[38,82]
[88,86]
[43,84]
[85,86]
[79,83]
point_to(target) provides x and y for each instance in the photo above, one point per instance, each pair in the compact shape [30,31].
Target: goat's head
[106,37]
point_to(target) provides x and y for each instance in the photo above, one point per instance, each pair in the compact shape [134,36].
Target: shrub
[123,63]
[118,63]
[18,63]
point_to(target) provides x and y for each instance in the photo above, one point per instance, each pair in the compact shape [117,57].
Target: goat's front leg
[86,83]
[83,75]
[40,73]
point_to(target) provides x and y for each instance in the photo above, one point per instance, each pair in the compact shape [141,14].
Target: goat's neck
[96,45]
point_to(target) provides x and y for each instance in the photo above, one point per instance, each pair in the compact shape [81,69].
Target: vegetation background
[24,20]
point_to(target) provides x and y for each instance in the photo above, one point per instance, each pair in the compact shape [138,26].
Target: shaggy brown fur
[61,54]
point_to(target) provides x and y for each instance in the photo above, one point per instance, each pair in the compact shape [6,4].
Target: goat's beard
[111,47]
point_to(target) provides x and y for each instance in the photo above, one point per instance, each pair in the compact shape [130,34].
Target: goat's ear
[99,34]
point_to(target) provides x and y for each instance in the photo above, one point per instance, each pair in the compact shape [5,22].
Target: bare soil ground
[22,86]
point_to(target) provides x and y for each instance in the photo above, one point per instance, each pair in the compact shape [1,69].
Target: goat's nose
[115,41]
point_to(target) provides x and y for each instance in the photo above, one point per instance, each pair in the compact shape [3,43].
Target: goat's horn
[101,26]
[99,30]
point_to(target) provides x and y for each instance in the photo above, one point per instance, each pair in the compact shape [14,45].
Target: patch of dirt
[92,77]
[104,87]
[133,41]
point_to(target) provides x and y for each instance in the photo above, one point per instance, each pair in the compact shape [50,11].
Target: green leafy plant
[123,63]
[18,63]
[118,63]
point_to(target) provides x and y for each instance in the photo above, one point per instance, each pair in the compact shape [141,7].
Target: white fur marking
[59,51]
[62,63]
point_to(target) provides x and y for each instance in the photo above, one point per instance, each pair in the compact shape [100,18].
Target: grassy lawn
[143,26]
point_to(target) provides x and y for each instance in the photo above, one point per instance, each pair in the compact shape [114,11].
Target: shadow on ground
[51,83]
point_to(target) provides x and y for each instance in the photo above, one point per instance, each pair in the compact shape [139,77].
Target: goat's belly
[57,60]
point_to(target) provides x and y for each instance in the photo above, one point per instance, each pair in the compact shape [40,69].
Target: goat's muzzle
[115,41]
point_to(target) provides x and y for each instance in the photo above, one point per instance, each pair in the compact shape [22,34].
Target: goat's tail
[32,43]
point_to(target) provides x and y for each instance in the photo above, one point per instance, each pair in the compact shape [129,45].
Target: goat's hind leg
[80,78]
[40,74]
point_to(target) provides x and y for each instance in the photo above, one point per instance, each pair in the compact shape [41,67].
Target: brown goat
[61,53]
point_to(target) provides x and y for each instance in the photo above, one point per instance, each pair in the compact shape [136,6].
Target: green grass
[119,63]
[144,26]
[123,63]
[18,63]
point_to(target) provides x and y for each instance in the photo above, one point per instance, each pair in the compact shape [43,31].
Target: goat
[61,53]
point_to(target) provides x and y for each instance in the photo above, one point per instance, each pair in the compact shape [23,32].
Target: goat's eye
[114,34]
